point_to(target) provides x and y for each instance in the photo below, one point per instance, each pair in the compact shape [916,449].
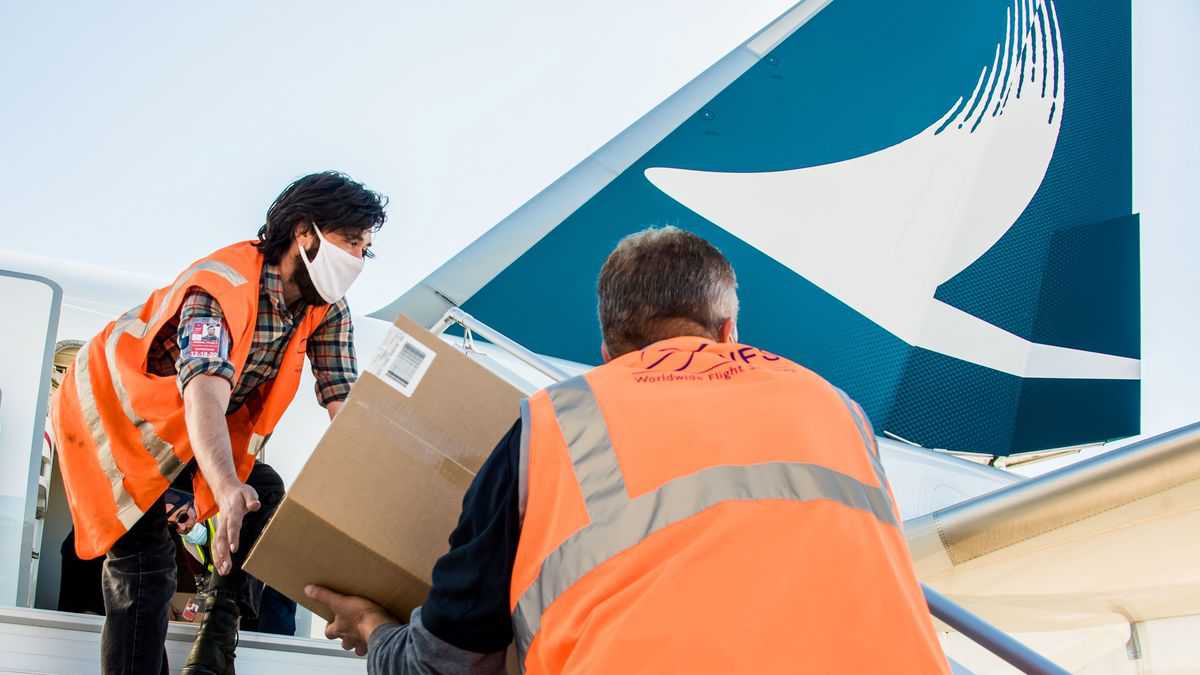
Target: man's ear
[302,232]
[604,352]
[728,331]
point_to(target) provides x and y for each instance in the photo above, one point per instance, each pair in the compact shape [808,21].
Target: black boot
[212,652]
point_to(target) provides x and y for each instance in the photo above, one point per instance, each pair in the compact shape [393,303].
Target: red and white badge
[204,340]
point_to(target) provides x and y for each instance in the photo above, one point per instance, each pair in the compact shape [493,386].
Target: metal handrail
[991,638]
[454,315]
[946,610]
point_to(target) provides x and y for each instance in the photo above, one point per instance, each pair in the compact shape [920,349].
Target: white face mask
[332,270]
[198,535]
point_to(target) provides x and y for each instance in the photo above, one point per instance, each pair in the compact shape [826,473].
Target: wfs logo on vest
[930,205]
[718,362]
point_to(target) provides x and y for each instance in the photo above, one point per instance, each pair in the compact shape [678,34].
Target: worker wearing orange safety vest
[694,505]
[185,389]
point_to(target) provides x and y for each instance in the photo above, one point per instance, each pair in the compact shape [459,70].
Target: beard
[308,291]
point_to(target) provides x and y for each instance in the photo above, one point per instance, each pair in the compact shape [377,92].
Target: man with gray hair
[662,283]
[694,506]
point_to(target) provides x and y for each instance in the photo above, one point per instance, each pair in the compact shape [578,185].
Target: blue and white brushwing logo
[926,208]
[929,204]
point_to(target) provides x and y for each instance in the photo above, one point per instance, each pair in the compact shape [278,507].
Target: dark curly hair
[331,199]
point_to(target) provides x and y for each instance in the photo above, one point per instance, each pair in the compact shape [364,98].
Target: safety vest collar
[694,354]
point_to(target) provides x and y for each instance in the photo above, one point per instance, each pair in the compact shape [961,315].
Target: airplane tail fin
[850,84]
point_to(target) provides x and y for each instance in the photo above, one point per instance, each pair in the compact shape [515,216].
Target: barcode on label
[406,364]
[402,361]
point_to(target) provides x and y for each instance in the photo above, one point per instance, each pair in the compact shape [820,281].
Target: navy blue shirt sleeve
[468,603]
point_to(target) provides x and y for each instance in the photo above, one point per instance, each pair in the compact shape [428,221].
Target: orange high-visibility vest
[699,507]
[121,431]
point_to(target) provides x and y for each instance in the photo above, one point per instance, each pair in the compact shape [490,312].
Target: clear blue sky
[141,135]
[175,124]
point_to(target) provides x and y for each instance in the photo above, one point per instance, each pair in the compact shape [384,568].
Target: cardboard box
[372,509]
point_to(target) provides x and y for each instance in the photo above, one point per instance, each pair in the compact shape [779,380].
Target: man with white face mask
[184,390]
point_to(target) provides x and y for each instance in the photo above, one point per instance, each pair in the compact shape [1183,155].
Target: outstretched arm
[204,402]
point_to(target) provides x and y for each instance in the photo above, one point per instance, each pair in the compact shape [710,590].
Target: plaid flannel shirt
[330,347]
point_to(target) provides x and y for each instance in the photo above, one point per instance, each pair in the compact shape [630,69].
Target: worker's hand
[233,504]
[354,618]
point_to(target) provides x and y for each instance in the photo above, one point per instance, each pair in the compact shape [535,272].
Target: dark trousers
[139,580]
[79,581]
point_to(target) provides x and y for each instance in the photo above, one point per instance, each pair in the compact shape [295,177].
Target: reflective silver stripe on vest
[679,500]
[257,441]
[163,452]
[523,461]
[868,436]
[630,521]
[217,267]
[127,511]
[595,463]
